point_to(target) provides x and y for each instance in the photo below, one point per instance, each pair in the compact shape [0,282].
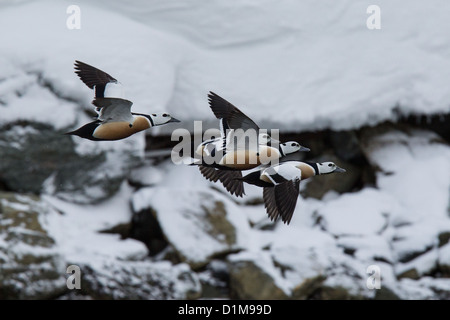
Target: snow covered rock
[345,216]
[38,105]
[253,276]
[137,280]
[199,224]
[37,158]
[31,266]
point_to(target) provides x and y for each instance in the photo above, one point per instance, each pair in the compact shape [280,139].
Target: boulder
[138,280]
[249,281]
[30,264]
[37,158]
[308,287]
[145,227]
[346,145]
[200,224]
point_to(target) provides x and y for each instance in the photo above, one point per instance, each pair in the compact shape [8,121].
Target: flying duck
[281,184]
[225,157]
[231,177]
[115,120]
[234,118]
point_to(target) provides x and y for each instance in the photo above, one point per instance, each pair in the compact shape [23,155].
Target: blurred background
[373,100]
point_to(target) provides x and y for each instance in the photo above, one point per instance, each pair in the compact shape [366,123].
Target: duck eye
[330,164]
[165,115]
[293,144]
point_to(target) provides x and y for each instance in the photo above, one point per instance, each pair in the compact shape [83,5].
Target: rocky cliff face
[197,241]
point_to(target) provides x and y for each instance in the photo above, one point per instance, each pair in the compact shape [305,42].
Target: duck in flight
[281,184]
[115,120]
[223,160]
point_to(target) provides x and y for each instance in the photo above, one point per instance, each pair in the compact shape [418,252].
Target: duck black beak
[174,120]
[304,149]
[339,170]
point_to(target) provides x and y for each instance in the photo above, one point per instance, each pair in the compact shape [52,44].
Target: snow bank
[291,65]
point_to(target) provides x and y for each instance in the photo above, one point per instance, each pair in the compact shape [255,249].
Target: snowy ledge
[298,73]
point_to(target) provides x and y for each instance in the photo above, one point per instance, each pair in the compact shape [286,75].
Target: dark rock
[346,146]
[318,186]
[33,152]
[215,280]
[220,227]
[145,227]
[335,293]
[407,256]
[249,281]
[410,273]
[444,238]
[316,141]
[308,287]
[385,293]
[139,280]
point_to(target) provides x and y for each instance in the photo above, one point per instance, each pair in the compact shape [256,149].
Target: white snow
[76,230]
[307,65]
[362,213]
[185,206]
[423,264]
[444,255]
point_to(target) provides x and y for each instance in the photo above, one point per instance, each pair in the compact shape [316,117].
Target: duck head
[158,119]
[328,167]
[291,147]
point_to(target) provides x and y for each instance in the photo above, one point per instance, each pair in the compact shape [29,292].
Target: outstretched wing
[209,173]
[286,195]
[280,201]
[228,178]
[113,109]
[94,78]
[270,203]
[235,119]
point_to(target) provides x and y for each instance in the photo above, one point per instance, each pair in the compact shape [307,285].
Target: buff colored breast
[249,159]
[307,170]
[268,154]
[241,160]
[120,130]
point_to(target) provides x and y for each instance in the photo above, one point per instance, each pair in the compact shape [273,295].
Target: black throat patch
[315,167]
[145,115]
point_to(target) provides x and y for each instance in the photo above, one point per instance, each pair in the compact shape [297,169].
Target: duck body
[113,130]
[243,159]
